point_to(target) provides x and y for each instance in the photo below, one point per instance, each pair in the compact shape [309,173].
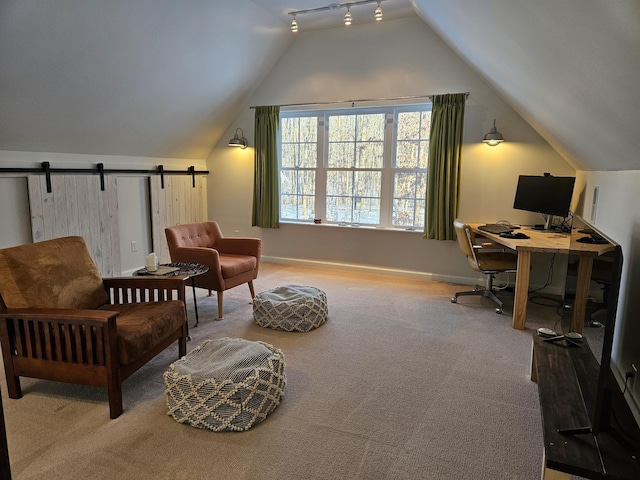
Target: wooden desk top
[545,241]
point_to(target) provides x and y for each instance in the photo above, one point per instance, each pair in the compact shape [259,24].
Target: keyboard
[496,228]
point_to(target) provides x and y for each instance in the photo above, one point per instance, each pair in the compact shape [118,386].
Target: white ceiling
[160,78]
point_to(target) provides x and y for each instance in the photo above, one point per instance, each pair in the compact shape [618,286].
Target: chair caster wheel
[454,300]
[499,310]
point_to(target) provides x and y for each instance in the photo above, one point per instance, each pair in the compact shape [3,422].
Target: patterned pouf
[292,308]
[226,384]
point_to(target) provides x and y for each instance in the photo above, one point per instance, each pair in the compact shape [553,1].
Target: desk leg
[585,265]
[522,290]
[548,474]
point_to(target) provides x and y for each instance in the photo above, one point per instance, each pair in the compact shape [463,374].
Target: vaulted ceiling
[160,78]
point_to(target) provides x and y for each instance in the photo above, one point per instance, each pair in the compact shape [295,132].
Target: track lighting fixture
[348,18]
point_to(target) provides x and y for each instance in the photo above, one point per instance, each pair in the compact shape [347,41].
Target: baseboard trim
[352,267]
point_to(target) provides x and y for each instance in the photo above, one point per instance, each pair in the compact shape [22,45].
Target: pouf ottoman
[226,384]
[293,308]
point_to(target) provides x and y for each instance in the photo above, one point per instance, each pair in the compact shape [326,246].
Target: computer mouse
[593,239]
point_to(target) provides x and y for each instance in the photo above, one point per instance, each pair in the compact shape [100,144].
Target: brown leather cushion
[56,273]
[141,326]
[232,265]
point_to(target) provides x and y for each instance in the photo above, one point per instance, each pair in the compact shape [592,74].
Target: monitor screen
[544,194]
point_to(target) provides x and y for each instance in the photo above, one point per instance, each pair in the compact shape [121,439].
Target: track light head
[347,17]
[377,14]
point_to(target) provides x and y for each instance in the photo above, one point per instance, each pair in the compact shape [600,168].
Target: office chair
[487,258]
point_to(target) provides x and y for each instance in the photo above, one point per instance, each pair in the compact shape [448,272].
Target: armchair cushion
[233,265]
[137,335]
[27,274]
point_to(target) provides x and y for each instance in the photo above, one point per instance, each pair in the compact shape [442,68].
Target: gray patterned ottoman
[293,308]
[226,384]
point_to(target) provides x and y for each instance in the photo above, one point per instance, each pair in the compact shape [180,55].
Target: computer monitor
[544,194]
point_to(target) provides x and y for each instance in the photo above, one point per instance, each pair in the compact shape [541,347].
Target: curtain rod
[355,101]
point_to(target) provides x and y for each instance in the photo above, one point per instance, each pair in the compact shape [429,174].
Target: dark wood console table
[564,405]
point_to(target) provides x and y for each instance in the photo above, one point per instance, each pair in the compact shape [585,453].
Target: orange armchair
[60,321]
[232,261]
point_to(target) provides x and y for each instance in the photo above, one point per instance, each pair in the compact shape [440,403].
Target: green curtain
[443,174]
[266,184]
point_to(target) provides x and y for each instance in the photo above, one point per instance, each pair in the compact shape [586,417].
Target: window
[361,166]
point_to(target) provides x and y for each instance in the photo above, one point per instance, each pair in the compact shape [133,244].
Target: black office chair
[487,258]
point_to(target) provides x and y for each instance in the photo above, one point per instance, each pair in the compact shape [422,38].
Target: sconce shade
[238,140]
[494,137]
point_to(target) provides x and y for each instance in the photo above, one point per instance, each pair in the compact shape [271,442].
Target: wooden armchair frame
[81,346]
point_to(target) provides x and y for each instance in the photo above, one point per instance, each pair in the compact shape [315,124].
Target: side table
[187,271]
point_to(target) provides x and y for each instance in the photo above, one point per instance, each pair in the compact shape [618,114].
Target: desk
[548,242]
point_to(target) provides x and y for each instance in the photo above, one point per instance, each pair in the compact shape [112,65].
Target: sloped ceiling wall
[151,78]
[159,78]
[571,68]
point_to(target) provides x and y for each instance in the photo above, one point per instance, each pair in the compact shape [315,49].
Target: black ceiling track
[100,170]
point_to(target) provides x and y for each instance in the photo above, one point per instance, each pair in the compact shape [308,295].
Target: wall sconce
[494,137]
[239,141]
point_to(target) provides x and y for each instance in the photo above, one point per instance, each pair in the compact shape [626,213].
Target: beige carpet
[399,383]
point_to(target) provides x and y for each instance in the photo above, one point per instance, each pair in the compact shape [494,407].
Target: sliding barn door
[77,206]
[177,203]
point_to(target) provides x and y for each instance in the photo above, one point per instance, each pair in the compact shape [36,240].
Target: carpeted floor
[399,383]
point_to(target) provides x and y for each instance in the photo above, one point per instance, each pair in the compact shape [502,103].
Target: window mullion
[321,170]
[386,194]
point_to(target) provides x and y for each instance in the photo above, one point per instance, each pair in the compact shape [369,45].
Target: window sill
[353,226]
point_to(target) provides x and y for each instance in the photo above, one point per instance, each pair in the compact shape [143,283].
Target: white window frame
[388,169]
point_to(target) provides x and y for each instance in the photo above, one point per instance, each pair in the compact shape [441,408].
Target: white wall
[387,59]
[14,212]
[134,222]
[618,217]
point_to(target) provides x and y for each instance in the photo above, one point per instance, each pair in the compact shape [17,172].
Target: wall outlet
[236,233]
[134,246]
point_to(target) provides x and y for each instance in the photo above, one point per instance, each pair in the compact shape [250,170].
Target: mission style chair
[59,320]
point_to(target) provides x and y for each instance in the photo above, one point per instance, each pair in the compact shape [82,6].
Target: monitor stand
[548,224]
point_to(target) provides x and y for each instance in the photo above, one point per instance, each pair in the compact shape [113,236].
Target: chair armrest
[81,316]
[204,255]
[144,289]
[239,246]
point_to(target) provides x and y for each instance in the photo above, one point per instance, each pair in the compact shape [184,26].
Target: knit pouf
[226,384]
[293,308]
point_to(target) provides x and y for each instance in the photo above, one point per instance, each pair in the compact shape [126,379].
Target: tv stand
[570,448]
